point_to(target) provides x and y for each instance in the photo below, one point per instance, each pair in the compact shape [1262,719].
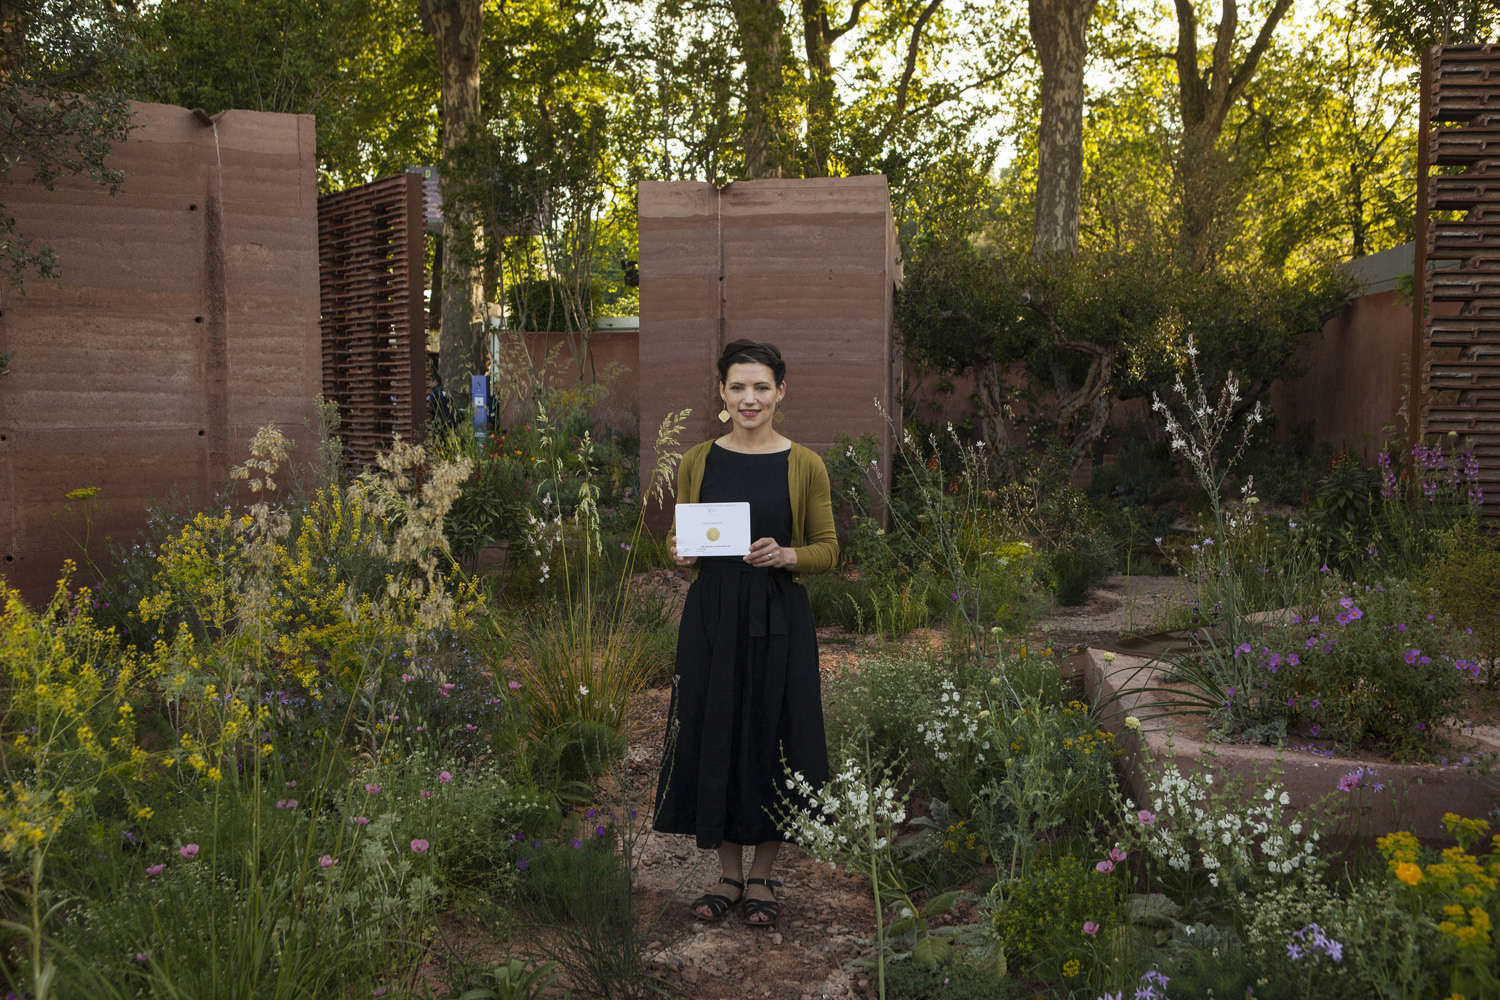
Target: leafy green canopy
[58,116]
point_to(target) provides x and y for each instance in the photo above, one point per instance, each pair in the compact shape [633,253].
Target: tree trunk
[1058,29]
[761,41]
[455,29]
[815,36]
[1205,97]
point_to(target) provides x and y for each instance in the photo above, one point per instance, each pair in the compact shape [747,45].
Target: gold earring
[779,416]
[723,416]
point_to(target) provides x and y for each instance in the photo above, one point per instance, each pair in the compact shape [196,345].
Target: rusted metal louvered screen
[1458,266]
[370,254]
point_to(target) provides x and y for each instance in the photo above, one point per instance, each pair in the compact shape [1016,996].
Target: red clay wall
[186,317]
[1351,395]
[809,265]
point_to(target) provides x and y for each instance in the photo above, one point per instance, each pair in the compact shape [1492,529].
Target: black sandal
[768,909]
[716,904]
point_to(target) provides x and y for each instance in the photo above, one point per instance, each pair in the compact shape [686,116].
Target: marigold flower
[1409,873]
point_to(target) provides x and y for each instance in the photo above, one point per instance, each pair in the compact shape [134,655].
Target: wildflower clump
[1455,896]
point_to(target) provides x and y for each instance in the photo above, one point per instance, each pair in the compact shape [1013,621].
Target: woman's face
[750,394]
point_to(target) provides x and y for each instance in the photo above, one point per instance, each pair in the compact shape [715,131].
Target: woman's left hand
[767,553]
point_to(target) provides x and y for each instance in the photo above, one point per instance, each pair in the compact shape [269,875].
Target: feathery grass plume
[582,666]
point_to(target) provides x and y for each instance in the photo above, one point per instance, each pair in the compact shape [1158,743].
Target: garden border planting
[1414,796]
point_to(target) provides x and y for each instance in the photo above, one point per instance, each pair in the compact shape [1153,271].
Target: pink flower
[371,788]
[328,861]
[419,846]
[362,820]
[514,685]
[143,956]
[286,803]
[469,727]
[444,777]
[407,678]
[424,793]
[291,784]
[1116,855]
[1146,816]
[1104,867]
[1090,928]
[155,869]
[188,851]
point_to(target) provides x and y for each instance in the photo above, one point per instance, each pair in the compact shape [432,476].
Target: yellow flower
[145,812]
[1409,873]
[214,774]
[1071,968]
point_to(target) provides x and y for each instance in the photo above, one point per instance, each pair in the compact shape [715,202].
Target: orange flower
[1409,873]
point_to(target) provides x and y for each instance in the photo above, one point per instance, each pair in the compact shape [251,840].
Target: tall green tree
[1210,85]
[1405,27]
[1059,29]
[456,28]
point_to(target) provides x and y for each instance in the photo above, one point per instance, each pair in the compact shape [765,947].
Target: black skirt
[746,702]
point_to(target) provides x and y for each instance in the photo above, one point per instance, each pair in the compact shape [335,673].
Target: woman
[747,699]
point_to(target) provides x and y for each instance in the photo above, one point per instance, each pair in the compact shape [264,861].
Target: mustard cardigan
[813,536]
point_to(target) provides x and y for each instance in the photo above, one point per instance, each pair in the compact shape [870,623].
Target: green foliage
[1389,520]
[864,604]
[1377,670]
[879,703]
[1038,918]
[1405,27]
[911,980]
[514,981]
[59,115]
[1464,576]
[579,890]
[1109,324]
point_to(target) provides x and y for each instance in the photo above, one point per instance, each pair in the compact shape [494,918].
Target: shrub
[1039,919]
[912,980]
[1464,575]
[1377,669]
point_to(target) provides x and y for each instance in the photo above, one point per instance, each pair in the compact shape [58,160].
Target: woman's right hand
[681,562]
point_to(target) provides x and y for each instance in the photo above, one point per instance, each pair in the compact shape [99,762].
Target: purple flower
[1412,654]
[362,820]
[444,777]
[419,846]
[188,851]
[1315,731]
[327,861]
[154,869]
[1146,817]
[1116,855]
[371,788]
[1104,867]
[424,793]
[1090,928]
[522,864]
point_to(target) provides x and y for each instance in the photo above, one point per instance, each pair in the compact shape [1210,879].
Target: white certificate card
[713,529]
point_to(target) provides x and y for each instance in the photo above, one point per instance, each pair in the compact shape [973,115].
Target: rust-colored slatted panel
[374,342]
[1458,269]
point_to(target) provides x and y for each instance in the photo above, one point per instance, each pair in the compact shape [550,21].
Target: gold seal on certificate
[713,529]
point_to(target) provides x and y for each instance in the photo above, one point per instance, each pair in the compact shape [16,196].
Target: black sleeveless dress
[747,694]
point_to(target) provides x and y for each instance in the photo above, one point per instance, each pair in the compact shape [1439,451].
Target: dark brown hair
[749,352]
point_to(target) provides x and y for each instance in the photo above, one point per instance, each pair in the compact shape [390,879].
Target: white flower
[582,691]
[1131,722]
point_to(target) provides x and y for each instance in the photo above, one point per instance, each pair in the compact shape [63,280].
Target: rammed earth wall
[186,316]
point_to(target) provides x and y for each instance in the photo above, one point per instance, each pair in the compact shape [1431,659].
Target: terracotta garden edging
[1415,796]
